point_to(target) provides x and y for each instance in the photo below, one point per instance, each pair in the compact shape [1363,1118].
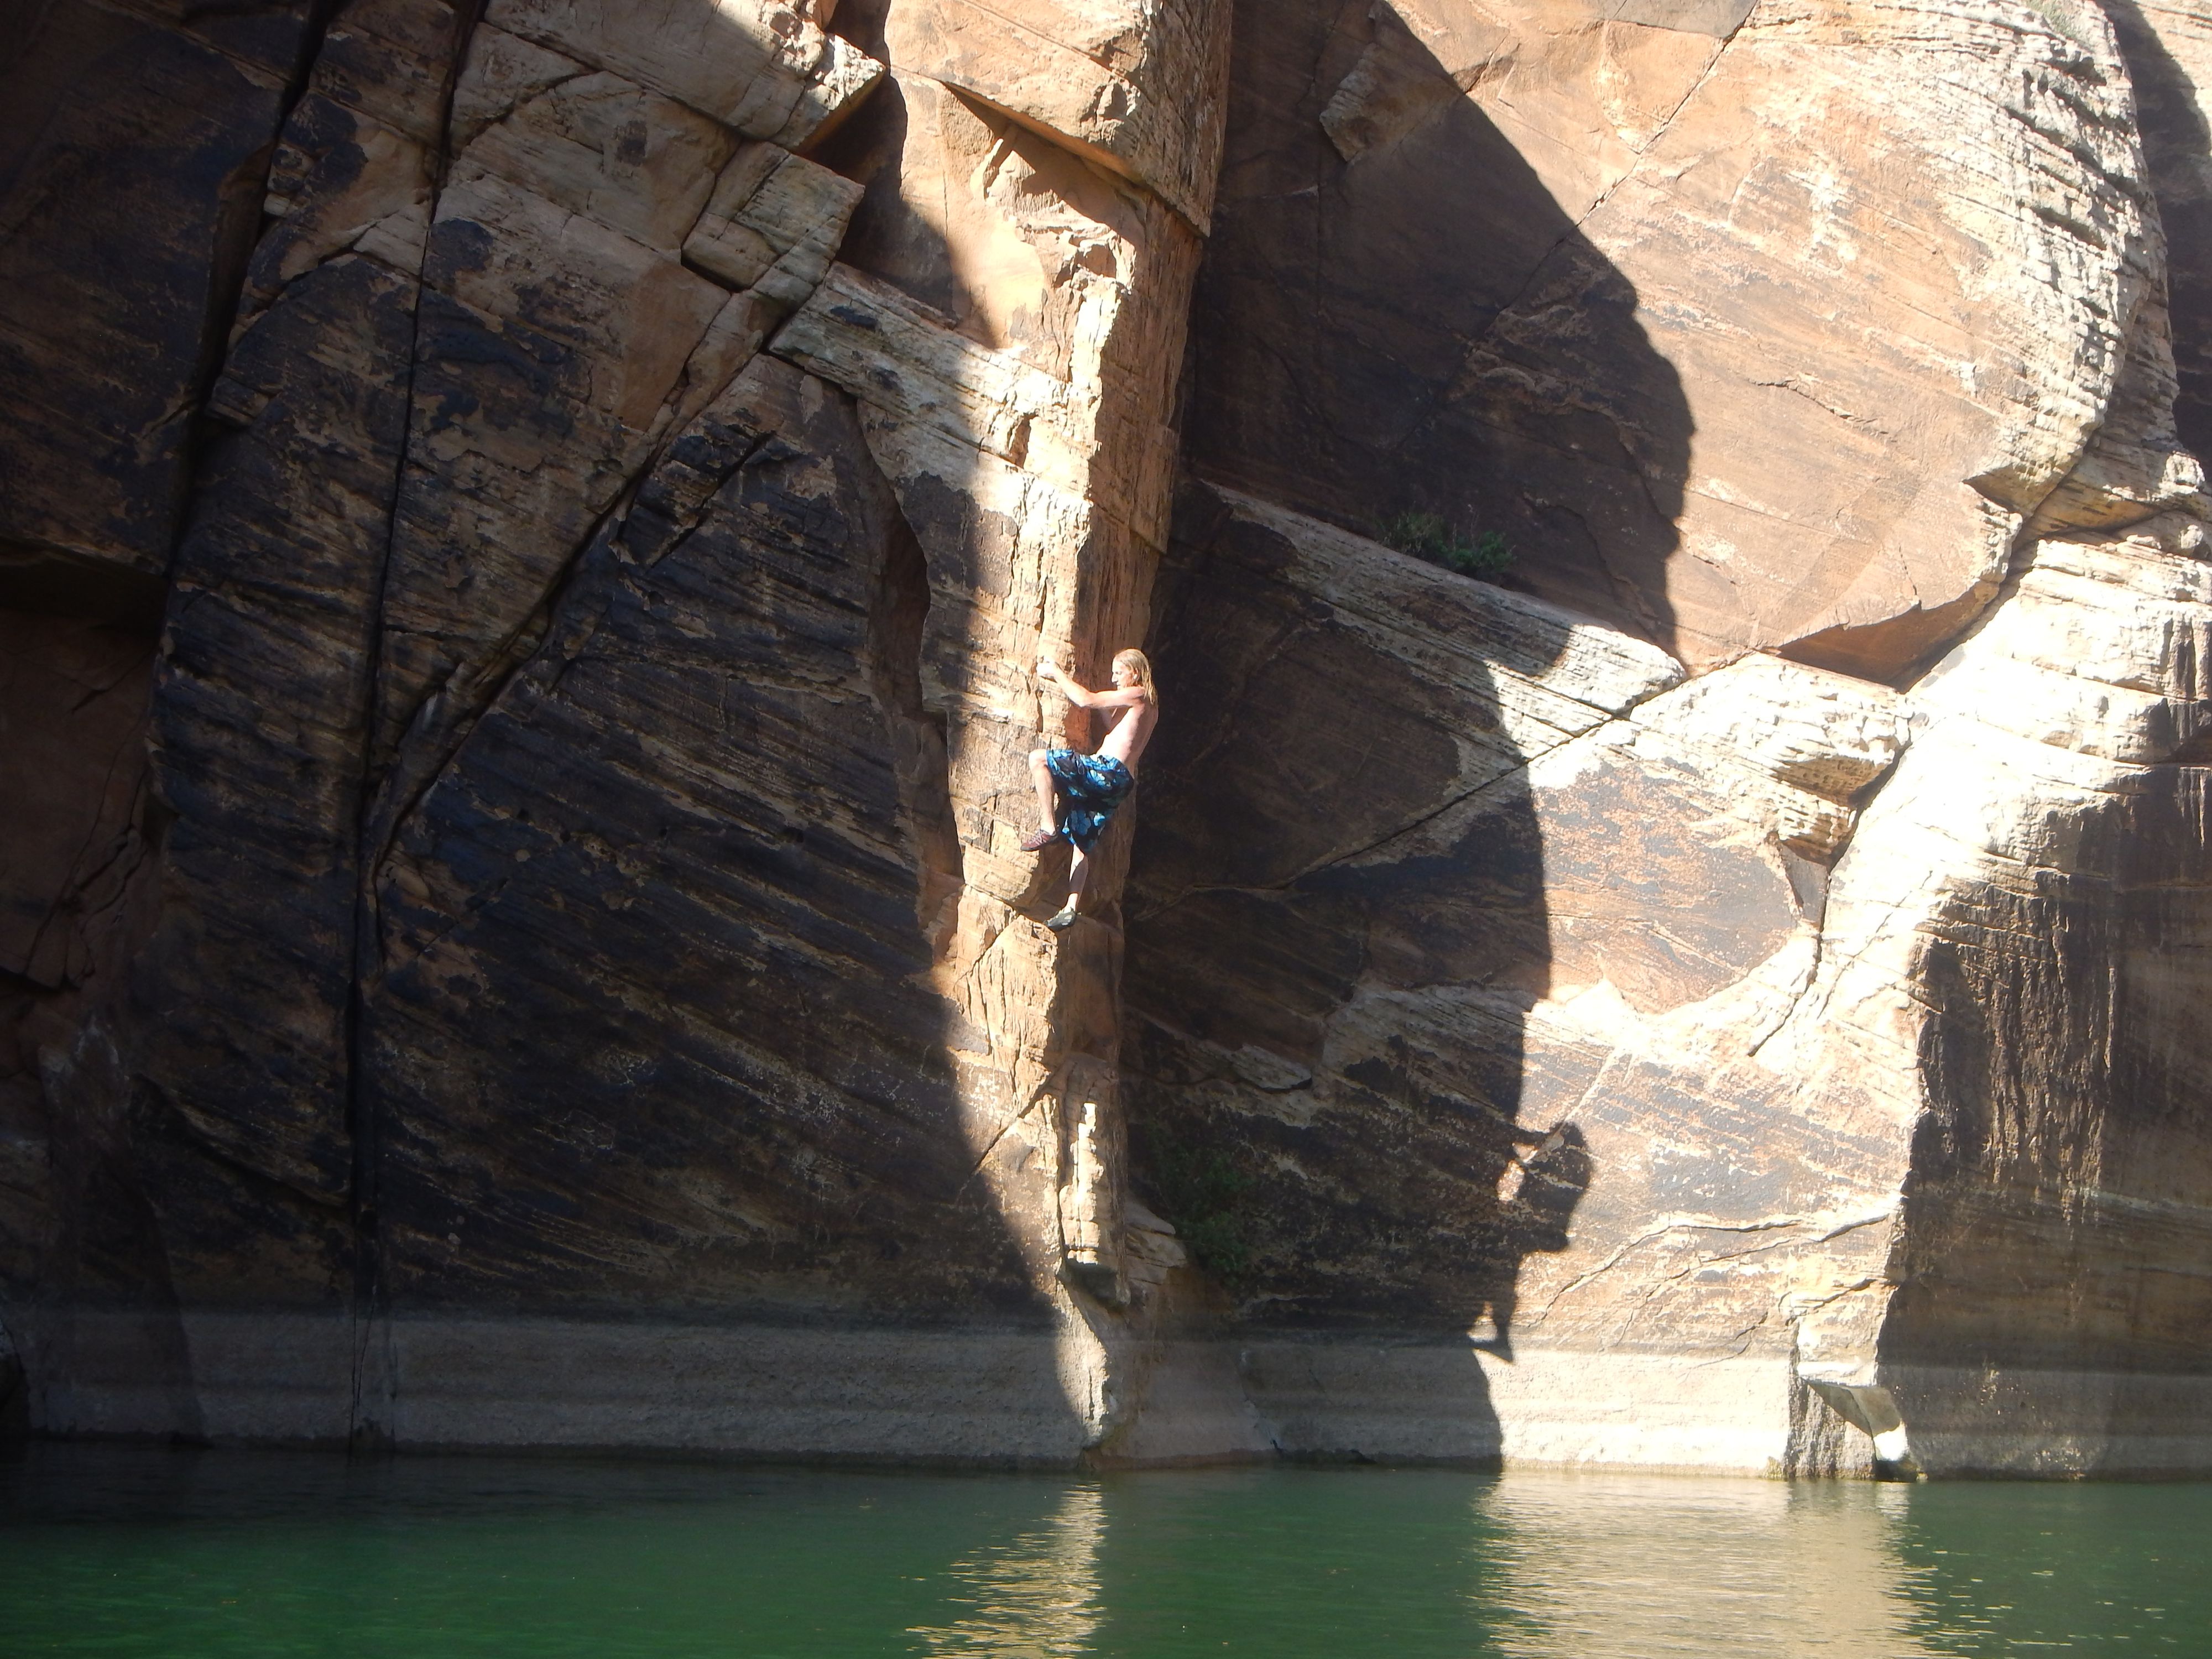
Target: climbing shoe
[1038,841]
[1061,920]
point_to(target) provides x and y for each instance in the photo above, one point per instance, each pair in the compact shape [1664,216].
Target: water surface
[197,1555]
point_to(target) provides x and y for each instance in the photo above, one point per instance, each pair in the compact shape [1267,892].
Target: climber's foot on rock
[1037,842]
[1062,919]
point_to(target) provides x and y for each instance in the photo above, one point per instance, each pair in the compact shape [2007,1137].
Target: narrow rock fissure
[1517,773]
[548,628]
[124,751]
[442,723]
[361,1118]
[1864,798]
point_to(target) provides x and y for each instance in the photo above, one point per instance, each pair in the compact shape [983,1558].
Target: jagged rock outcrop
[538,952]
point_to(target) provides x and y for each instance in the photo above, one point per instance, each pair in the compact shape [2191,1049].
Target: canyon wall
[1785,1034]
[624,471]
[526,536]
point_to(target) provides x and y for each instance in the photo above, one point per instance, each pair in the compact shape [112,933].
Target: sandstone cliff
[526,535]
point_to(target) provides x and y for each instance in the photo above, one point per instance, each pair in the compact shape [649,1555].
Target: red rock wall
[587,743]
[525,539]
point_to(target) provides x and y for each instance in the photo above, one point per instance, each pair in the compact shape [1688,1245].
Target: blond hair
[1140,666]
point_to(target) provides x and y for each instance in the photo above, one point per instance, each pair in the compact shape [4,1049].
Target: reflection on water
[1037,1595]
[120,1552]
[1635,1566]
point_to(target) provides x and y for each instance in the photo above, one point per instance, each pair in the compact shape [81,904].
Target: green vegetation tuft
[2063,18]
[1203,1193]
[1426,535]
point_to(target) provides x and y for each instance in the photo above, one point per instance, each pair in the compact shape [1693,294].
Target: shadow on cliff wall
[1338,924]
[2177,150]
[655,1039]
[1423,327]
[133,159]
[731,1093]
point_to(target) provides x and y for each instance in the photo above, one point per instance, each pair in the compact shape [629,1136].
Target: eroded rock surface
[536,952]
[1650,295]
[603,617]
[1704,1066]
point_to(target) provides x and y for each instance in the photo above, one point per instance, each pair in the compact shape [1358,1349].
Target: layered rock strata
[538,952]
[1715,312]
[1673,1088]
[605,619]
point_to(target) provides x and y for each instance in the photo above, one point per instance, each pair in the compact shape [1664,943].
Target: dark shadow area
[2178,151]
[651,1036]
[133,158]
[1338,916]
[1336,923]
[134,153]
[742,1003]
[2060,1121]
[1422,327]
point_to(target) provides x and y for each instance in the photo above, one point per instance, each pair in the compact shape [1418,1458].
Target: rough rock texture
[1707,1068]
[537,953]
[2169,51]
[1639,295]
[604,620]
[132,161]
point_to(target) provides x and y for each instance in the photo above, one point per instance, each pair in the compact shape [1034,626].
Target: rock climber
[1076,792]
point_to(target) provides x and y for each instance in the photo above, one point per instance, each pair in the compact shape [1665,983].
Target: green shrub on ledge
[1426,535]
[1203,1193]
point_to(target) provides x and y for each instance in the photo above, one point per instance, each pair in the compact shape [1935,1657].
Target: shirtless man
[1076,792]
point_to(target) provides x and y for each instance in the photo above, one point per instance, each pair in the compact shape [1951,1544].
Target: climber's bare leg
[1041,776]
[1078,871]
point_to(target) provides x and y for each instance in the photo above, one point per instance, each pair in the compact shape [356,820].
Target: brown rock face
[603,618]
[526,538]
[1721,1048]
[132,156]
[1583,283]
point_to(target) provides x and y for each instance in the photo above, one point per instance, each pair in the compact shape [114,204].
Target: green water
[180,1555]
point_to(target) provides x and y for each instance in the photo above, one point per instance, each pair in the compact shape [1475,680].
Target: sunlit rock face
[527,536]
[1667,295]
[1779,1064]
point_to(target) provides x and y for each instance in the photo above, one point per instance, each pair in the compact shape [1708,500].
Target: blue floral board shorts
[1089,788]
